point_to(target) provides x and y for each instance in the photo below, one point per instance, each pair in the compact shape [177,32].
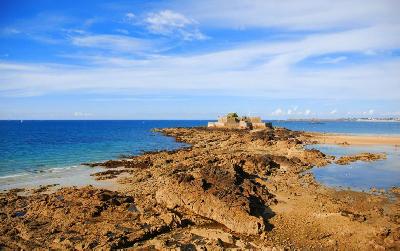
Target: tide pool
[360,175]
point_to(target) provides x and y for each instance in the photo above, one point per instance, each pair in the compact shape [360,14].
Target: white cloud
[170,23]
[74,31]
[130,15]
[10,31]
[82,114]
[131,18]
[111,43]
[332,60]
[294,111]
[228,72]
[166,21]
[370,112]
[334,111]
[192,35]
[291,15]
[278,112]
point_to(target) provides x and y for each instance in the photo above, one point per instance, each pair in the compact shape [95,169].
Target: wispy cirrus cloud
[297,15]
[113,43]
[332,60]
[254,69]
[167,23]
[50,28]
[10,31]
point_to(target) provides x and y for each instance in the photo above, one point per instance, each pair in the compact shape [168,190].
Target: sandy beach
[343,139]
[238,189]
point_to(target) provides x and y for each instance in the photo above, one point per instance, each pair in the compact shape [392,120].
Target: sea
[35,152]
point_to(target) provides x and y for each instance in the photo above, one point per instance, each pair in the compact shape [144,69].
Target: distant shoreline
[341,120]
[335,120]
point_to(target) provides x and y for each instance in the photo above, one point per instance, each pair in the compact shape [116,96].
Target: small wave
[38,171]
[13,176]
[60,169]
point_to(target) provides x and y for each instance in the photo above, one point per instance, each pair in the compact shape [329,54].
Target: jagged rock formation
[215,193]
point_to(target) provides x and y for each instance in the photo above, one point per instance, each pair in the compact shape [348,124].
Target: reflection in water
[381,174]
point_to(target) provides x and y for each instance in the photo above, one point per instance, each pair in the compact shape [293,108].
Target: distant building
[232,120]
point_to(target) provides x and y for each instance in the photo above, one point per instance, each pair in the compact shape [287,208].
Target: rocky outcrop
[345,160]
[224,196]
[72,218]
[129,163]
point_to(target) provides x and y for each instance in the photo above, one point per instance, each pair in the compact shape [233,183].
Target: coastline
[343,120]
[223,174]
[57,177]
[352,139]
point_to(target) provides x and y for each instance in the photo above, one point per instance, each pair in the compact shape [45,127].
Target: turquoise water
[381,174]
[50,152]
[37,150]
[37,146]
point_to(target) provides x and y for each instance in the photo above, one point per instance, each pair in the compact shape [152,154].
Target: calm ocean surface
[31,148]
[35,146]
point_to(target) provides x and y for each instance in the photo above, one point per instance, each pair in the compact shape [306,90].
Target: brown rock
[218,195]
[345,160]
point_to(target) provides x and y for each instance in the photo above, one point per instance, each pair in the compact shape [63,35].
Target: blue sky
[197,60]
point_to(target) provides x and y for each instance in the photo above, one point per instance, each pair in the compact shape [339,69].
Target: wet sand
[327,138]
[75,176]
[231,189]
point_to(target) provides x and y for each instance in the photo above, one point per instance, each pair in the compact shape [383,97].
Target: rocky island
[231,189]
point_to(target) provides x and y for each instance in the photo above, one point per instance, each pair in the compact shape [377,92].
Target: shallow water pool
[360,175]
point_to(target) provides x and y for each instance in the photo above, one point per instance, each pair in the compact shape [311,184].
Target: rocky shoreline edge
[232,189]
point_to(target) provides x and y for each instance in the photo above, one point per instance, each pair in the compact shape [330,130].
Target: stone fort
[232,120]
